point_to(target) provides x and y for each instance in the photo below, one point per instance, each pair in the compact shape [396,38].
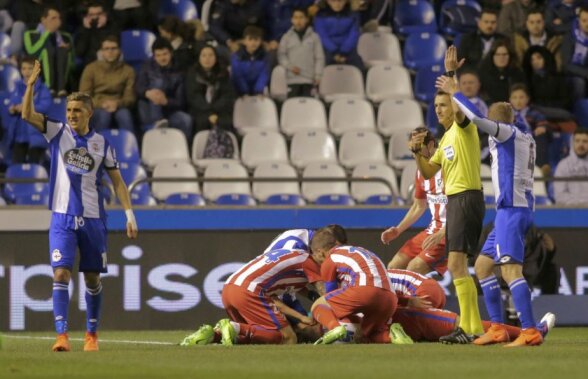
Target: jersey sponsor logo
[79,161]
[449,152]
[56,255]
[437,199]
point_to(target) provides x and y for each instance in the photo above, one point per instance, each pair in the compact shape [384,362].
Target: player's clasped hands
[416,141]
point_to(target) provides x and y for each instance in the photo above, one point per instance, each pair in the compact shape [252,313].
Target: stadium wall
[171,277]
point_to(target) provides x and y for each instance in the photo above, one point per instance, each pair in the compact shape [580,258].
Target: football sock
[513,331]
[60,306]
[325,316]
[521,297]
[93,303]
[257,335]
[467,296]
[492,298]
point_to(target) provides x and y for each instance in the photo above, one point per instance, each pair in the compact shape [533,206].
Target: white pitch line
[100,340]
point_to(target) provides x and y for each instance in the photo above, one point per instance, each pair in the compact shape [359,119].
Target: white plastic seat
[263,146]
[278,87]
[359,147]
[302,113]
[394,115]
[254,112]
[362,191]
[263,190]
[229,169]
[377,48]
[341,81]
[351,114]
[407,179]
[160,145]
[311,191]
[399,155]
[199,144]
[386,81]
[170,169]
[312,146]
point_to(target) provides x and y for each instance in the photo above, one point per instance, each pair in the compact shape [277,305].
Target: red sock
[325,316]
[382,336]
[513,331]
[258,335]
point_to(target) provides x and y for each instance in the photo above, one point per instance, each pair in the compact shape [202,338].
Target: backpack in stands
[219,144]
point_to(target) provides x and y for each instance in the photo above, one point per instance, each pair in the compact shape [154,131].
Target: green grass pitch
[153,354]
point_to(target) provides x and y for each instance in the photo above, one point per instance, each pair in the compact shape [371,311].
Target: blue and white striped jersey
[77,166]
[292,239]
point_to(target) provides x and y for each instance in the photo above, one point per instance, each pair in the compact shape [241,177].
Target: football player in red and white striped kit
[416,290]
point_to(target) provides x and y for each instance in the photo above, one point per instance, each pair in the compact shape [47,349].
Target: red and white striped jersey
[353,266]
[433,190]
[406,283]
[276,272]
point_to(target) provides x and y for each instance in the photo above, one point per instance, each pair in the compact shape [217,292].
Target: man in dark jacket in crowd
[475,46]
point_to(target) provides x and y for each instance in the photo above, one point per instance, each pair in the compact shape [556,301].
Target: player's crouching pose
[79,157]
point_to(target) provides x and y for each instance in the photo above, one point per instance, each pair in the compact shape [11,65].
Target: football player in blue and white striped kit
[512,148]
[79,157]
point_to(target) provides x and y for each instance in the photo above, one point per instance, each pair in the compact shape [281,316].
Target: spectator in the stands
[27,14]
[535,121]
[301,54]
[469,85]
[372,13]
[110,82]
[209,92]
[278,15]
[96,25]
[475,46]
[498,72]
[181,35]
[574,55]
[5,16]
[160,91]
[574,165]
[29,144]
[559,16]
[229,18]
[513,15]
[134,14]
[535,34]
[53,48]
[249,65]
[339,30]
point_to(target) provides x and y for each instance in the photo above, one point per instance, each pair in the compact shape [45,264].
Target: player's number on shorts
[276,255]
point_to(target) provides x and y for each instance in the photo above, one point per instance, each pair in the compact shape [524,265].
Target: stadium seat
[312,146]
[261,146]
[424,82]
[334,200]
[130,173]
[199,145]
[432,120]
[423,50]
[407,179]
[313,190]
[351,114]
[399,155]
[341,81]
[236,199]
[4,46]
[253,112]
[374,192]
[302,113]
[24,171]
[488,188]
[377,48]
[361,147]
[262,191]
[278,87]
[171,169]
[459,16]
[143,198]
[124,144]
[540,189]
[581,111]
[285,200]
[57,109]
[41,198]
[9,75]
[388,82]
[183,9]
[136,46]
[161,145]
[185,199]
[229,169]
[394,115]
[414,16]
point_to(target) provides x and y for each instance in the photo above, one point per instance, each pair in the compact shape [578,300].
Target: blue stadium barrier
[335,200]
[235,199]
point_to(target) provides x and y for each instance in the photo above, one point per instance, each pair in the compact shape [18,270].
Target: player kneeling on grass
[356,281]
[249,297]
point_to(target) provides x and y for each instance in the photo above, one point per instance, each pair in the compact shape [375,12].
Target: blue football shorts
[506,241]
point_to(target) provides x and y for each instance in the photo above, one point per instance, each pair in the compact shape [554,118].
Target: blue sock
[93,303]
[521,297]
[60,306]
[492,298]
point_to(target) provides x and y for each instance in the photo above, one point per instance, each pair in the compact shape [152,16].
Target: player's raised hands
[389,235]
[451,62]
[446,84]
[35,75]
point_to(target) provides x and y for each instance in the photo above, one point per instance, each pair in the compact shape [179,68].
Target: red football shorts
[434,293]
[435,257]
[425,324]
[247,307]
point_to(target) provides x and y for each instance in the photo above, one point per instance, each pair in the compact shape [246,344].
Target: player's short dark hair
[110,38]
[519,87]
[489,11]
[581,131]
[26,59]
[324,238]
[440,92]
[428,138]
[468,71]
[304,11]
[83,97]
[253,32]
[160,44]
[339,232]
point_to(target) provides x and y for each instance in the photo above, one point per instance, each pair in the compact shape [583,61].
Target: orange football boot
[91,342]
[495,334]
[61,343]
[528,337]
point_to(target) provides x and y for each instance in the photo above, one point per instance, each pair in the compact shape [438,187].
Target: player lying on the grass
[424,252]
[415,290]
[512,148]
[356,281]
[249,298]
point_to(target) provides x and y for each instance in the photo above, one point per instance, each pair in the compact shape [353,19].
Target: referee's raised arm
[28,108]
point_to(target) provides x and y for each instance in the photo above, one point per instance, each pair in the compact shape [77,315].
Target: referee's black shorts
[465,215]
